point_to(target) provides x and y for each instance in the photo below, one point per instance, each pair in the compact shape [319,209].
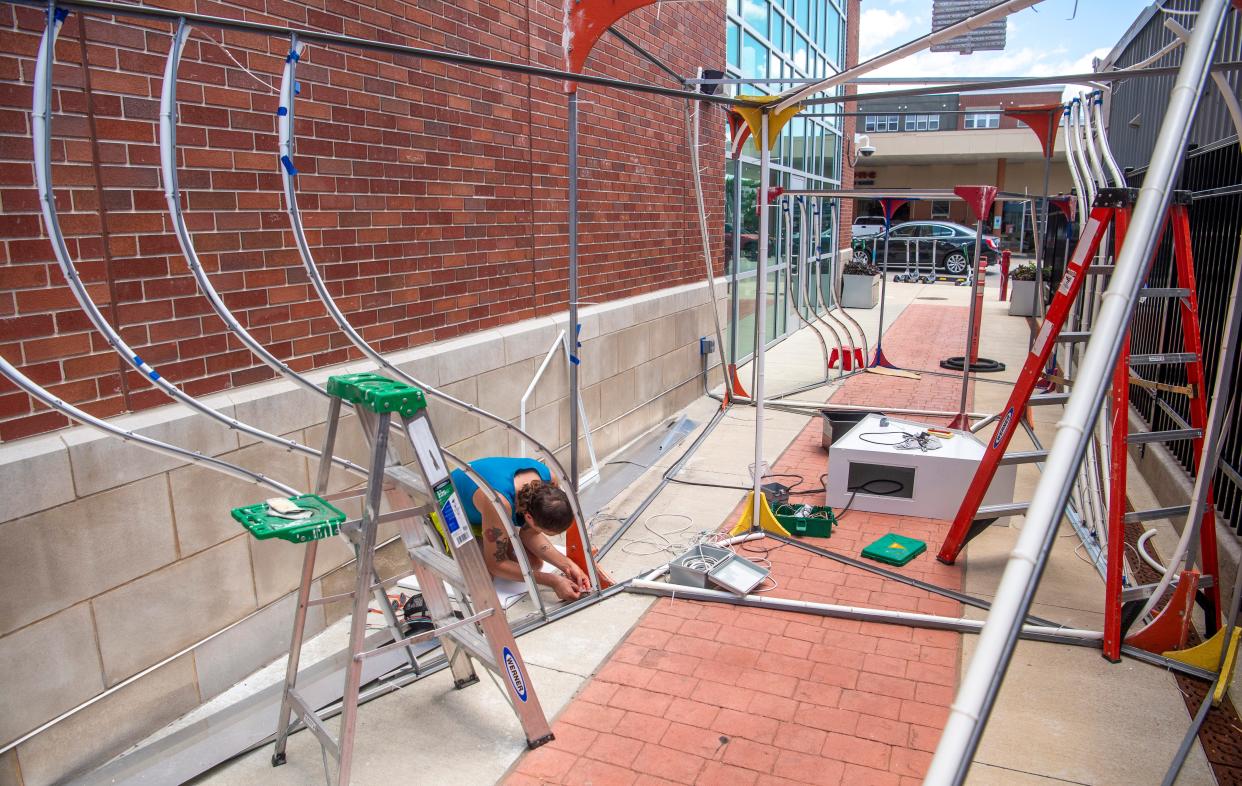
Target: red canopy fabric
[979,198]
[1041,119]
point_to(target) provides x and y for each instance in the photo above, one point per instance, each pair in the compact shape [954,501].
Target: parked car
[867,226]
[954,247]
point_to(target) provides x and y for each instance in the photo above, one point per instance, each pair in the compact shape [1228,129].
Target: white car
[867,226]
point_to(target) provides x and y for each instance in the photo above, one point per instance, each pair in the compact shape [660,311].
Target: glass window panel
[802,14]
[755,14]
[731,44]
[754,58]
[832,42]
[801,50]
[774,65]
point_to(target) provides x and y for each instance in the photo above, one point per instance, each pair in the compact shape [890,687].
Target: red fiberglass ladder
[1111,209]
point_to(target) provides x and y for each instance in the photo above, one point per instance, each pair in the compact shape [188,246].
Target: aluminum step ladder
[439,542]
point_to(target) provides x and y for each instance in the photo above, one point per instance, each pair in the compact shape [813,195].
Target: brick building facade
[434,195]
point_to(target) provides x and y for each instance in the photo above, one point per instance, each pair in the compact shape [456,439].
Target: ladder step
[1000,511]
[1164,292]
[474,644]
[1163,436]
[314,723]
[407,479]
[1074,337]
[434,633]
[438,563]
[1168,357]
[1025,457]
[1144,591]
[1043,399]
[1156,513]
[1096,270]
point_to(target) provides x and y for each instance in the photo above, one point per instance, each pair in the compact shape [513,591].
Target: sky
[1042,40]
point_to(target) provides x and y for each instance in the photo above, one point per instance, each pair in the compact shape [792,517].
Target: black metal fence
[1213,175]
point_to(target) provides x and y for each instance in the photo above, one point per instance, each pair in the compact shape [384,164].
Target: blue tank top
[498,472]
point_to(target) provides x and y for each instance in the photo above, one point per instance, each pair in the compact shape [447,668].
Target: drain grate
[1221,734]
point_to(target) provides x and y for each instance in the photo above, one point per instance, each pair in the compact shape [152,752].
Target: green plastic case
[894,549]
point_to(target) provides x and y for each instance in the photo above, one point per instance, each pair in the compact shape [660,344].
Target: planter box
[1022,299]
[860,291]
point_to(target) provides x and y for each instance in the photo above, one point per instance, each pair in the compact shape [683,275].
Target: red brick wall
[434,196]
[850,125]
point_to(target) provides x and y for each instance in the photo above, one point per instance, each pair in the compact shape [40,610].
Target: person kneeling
[537,508]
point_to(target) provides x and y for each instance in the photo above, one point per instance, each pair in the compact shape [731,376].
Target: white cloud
[877,26]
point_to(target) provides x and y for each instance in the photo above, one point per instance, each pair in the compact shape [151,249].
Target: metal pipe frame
[998,84]
[172,195]
[572,153]
[761,280]
[177,452]
[127,11]
[982,680]
[817,224]
[812,286]
[790,301]
[1000,10]
[288,173]
[692,134]
[41,136]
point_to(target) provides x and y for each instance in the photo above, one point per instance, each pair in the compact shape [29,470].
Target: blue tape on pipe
[281,111]
[154,374]
[60,14]
[297,88]
[137,360]
[293,56]
[288,163]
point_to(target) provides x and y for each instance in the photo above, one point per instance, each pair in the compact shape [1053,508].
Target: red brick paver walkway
[701,693]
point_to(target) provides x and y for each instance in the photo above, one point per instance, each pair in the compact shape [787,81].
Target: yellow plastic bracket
[753,114]
[767,520]
[1207,655]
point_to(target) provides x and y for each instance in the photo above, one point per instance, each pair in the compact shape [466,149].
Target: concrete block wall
[114,559]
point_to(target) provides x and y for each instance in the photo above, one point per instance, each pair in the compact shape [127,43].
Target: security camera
[862,147]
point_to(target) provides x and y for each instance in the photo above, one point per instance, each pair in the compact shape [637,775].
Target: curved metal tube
[787,215]
[692,130]
[172,195]
[154,445]
[41,135]
[1097,108]
[1088,132]
[812,285]
[1080,190]
[837,282]
[287,173]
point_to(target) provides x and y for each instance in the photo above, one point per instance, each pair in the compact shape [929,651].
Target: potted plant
[1022,291]
[861,284]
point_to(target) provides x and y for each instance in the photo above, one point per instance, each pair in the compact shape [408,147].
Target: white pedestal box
[932,484]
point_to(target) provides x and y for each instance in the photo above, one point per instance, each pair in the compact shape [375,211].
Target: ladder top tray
[263,524]
[378,393]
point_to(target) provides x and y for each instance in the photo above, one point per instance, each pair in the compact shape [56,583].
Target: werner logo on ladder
[1166,632]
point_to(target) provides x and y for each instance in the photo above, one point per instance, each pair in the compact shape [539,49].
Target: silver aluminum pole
[761,279]
[1040,255]
[573,285]
[975,283]
[737,259]
[692,130]
[982,681]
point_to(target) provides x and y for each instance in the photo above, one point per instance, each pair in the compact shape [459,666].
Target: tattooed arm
[499,556]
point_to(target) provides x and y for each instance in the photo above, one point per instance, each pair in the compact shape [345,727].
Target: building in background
[796,40]
[942,141]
